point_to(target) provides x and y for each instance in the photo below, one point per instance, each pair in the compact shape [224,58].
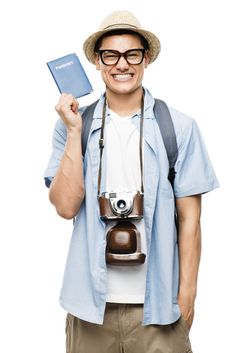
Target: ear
[97,62]
[146,59]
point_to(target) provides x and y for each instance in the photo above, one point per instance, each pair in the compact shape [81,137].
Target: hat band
[121,24]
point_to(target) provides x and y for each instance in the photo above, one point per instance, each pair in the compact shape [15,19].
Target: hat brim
[153,42]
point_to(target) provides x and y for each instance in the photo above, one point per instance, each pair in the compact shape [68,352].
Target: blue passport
[70,76]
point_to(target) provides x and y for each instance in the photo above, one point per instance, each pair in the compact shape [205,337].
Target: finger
[66,100]
[66,104]
[65,96]
[74,106]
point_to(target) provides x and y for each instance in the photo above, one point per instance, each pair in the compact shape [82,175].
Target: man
[119,300]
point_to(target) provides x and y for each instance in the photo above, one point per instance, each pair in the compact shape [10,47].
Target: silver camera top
[121,203]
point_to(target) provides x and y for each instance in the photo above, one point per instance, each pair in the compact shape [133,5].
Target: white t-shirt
[126,284]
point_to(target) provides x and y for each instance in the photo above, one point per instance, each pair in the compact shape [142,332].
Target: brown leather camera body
[108,211]
[124,245]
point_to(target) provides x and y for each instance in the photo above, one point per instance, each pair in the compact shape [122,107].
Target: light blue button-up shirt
[83,292]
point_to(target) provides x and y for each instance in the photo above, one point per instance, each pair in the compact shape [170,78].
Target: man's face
[122,78]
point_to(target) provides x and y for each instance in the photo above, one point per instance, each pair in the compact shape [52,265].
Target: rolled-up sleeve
[58,146]
[194,171]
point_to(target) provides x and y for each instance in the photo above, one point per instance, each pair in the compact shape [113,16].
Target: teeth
[119,76]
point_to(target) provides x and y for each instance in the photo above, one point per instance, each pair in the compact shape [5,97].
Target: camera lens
[121,204]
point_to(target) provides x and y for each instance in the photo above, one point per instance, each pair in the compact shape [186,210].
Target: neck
[125,104]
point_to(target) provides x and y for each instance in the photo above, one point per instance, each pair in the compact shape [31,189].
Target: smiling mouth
[122,77]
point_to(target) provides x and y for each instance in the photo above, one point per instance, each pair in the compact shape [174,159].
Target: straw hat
[121,20]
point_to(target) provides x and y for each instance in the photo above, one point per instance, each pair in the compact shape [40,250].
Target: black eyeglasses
[132,56]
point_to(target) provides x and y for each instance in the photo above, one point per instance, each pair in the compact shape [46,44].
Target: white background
[195,73]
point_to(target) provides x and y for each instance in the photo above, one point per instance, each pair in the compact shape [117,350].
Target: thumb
[75,106]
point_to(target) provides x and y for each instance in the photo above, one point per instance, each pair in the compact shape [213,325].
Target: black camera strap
[141,143]
[101,143]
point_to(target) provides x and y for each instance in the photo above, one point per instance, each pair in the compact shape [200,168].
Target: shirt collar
[148,106]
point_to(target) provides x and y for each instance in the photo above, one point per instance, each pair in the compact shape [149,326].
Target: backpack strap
[87,118]
[167,130]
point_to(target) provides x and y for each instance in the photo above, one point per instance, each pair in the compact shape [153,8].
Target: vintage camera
[121,205]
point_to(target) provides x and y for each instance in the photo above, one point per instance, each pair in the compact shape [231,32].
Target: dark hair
[118,32]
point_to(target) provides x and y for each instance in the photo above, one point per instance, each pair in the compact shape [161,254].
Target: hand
[186,304]
[67,108]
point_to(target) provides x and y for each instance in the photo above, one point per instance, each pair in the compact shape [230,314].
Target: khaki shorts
[122,332]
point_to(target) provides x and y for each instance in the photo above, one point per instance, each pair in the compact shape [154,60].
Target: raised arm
[66,191]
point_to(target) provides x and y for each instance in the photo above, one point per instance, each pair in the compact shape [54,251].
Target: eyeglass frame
[124,55]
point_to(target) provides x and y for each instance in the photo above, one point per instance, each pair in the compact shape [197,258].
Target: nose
[122,64]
